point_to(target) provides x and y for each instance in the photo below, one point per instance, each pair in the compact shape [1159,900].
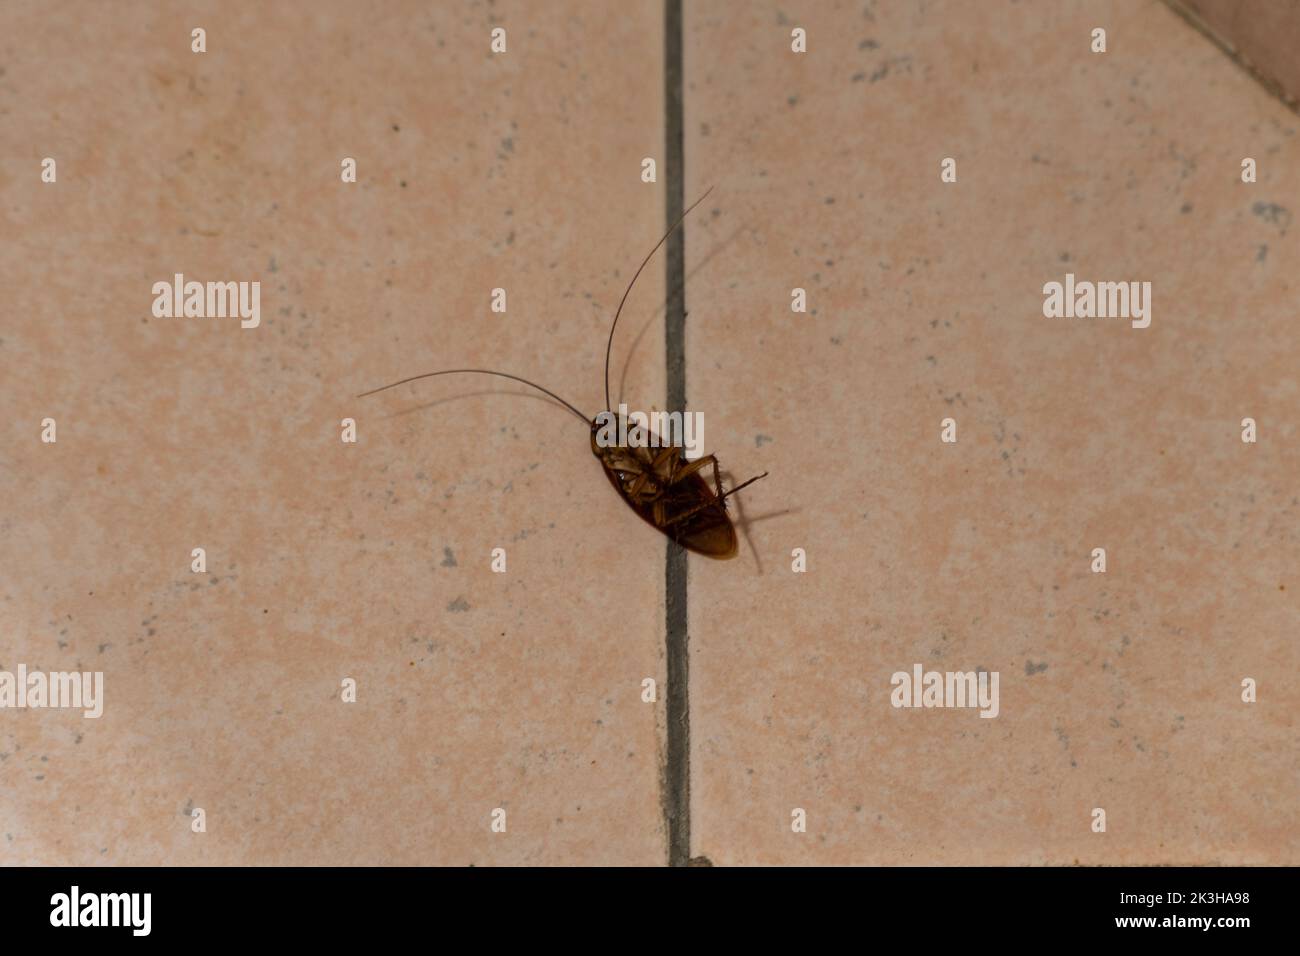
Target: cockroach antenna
[644,262]
[481,371]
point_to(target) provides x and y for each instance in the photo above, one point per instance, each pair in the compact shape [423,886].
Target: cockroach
[661,485]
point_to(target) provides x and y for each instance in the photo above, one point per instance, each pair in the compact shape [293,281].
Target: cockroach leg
[717,479]
[635,488]
[717,476]
[744,484]
[667,457]
[691,512]
[682,473]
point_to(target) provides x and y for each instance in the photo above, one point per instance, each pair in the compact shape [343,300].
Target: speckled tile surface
[522,691]
[1120,690]
[325,560]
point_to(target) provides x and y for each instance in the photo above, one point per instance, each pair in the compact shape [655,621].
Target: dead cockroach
[659,484]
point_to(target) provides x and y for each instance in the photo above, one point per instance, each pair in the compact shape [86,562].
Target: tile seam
[677,765]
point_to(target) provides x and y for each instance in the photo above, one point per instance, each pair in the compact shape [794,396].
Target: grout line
[677,769]
[1229,49]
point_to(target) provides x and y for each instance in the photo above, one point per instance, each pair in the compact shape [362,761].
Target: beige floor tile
[1118,690]
[327,560]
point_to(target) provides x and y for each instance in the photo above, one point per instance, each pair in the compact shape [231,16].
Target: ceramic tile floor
[1118,691]
[476,690]
[522,691]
